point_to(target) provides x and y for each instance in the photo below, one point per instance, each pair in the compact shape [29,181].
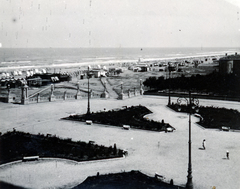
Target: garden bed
[132,116]
[17,145]
[213,117]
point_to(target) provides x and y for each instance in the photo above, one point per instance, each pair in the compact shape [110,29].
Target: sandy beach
[149,152]
[109,62]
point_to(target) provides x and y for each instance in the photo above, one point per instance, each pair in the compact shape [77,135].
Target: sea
[27,58]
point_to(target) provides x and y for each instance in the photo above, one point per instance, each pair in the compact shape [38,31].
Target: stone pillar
[105,93]
[141,89]
[38,98]
[129,93]
[24,97]
[121,96]
[52,97]
[65,95]
[134,91]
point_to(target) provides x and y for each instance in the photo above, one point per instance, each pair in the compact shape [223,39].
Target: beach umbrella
[44,71]
[3,75]
[15,73]
[19,72]
[36,71]
[28,73]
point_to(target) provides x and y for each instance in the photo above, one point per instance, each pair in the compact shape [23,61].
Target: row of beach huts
[39,76]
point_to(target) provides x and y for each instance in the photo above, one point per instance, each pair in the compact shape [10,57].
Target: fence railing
[64,96]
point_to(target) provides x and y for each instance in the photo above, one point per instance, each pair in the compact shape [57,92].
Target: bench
[89,122]
[225,128]
[30,158]
[126,127]
[159,177]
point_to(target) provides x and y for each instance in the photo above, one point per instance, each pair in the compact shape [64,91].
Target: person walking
[203,144]
[227,154]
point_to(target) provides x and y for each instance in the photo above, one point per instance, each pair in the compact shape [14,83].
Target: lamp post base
[189,184]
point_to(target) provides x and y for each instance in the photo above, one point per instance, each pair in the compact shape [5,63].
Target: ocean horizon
[17,58]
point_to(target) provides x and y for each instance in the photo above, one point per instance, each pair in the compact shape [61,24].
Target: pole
[169,96]
[88,108]
[189,184]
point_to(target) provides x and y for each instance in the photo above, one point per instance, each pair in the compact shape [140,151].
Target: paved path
[111,92]
[149,152]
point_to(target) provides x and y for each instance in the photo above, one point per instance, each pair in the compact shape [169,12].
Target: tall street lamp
[192,105]
[141,87]
[88,107]
[169,96]
[121,87]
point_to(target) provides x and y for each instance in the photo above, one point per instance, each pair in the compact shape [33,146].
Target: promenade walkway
[149,152]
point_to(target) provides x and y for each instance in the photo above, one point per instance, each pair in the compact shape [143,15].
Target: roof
[133,179]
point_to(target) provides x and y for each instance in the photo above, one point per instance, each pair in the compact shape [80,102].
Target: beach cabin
[136,69]
[162,69]
[143,67]
[37,81]
[172,66]
[98,73]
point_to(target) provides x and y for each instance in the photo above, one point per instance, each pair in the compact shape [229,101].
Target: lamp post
[121,87]
[88,107]
[169,96]
[192,103]
[105,86]
[141,87]
[8,94]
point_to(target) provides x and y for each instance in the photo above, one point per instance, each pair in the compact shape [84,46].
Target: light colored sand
[149,152]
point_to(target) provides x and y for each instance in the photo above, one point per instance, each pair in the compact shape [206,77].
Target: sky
[119,23]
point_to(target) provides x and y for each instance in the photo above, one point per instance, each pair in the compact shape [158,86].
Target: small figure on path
[203,144]
[227,154]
